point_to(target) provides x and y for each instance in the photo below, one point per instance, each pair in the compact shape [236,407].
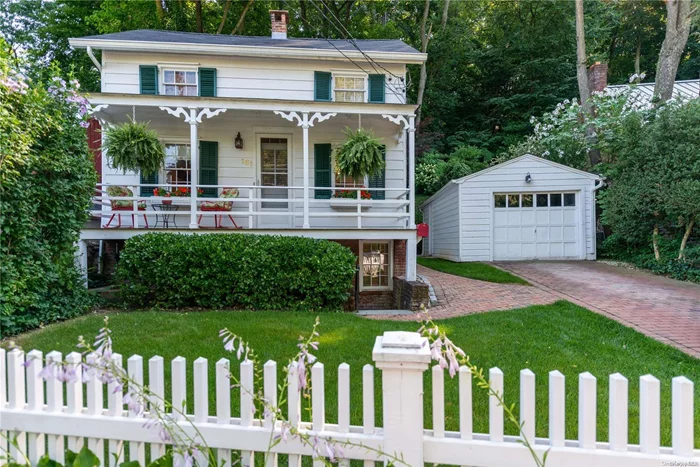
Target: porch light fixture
[238,142]
[528,178]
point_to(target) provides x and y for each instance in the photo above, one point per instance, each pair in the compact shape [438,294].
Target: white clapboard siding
[24,415]
[242,77]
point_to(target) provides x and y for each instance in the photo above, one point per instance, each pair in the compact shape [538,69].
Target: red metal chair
[124,205]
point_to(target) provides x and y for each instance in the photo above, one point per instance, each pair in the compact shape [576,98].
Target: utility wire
[369,59]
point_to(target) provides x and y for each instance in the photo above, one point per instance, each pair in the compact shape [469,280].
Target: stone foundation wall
[410,295]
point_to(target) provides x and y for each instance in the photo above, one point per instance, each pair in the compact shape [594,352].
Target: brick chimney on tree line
[597,77]
[279,19]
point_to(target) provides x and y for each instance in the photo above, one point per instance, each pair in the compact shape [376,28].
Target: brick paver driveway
[662,308]
[459,296]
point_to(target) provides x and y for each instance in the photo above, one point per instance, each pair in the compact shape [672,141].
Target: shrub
[259,272]
[46,181]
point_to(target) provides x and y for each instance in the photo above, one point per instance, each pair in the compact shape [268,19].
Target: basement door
[536,226]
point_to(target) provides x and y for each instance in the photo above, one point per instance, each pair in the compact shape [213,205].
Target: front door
[274,163]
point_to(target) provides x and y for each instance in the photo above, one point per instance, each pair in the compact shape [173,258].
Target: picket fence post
[402,357]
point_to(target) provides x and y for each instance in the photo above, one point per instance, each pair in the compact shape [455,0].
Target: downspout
[94,60]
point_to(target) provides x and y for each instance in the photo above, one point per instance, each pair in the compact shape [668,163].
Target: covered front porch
[256,164]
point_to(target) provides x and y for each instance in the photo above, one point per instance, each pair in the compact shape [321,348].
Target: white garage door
[536,226]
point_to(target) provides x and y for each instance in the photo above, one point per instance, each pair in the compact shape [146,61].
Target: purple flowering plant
[450,357]
[100,361]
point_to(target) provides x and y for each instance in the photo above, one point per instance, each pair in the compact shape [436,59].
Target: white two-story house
[262,115]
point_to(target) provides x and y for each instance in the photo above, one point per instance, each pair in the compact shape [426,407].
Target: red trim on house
[94,140]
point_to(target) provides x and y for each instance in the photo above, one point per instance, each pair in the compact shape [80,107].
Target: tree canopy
[492,64]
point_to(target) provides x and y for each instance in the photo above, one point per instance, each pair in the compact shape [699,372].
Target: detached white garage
[525,208]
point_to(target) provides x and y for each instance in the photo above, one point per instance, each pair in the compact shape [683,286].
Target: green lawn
[561,336]
[478,271]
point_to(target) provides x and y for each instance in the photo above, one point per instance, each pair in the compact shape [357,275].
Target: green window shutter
[148,179]
[376,88]
[148,79]
[322,170]
[209,167]
[379,180]
[322,86]
[207,82]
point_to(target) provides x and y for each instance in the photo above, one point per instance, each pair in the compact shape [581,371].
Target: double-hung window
[376,265]
[178,164]
[349,88]
[179,82]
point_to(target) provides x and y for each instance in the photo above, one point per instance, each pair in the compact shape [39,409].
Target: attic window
[179,82]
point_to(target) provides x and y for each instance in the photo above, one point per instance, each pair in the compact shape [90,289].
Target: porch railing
[250,204]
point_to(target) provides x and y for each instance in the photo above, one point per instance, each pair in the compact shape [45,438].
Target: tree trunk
[581,68]
[655,243]
[424,38]
[241,20]
[638,59]
[678,16]
[445,11]
[686,236]
[223,17]
[159,12]
[582,78]
[198,15]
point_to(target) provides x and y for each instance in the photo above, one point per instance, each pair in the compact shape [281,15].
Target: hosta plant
[133,147]
[361,154]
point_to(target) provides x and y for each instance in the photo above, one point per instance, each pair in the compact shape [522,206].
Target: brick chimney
[597,77]
[279,19]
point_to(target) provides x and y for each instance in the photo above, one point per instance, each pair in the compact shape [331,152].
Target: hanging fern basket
[133,147]
[360,155]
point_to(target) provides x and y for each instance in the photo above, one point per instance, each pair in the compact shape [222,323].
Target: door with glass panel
[273,178]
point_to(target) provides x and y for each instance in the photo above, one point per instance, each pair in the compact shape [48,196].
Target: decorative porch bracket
[194,118]
[407,123]
[305,122]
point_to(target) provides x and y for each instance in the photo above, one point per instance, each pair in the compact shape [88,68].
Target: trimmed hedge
[262,272]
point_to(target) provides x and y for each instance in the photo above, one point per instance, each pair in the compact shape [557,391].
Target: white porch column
[305,131]
[402,357]
[412,171]
[194,118]
[81,261]
[411,243]
[305,122]
[194,164]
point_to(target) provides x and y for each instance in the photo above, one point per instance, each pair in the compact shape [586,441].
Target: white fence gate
[39,418]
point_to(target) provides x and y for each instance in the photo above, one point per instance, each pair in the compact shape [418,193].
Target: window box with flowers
[347,199]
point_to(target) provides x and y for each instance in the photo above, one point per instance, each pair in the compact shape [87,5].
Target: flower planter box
[346,204]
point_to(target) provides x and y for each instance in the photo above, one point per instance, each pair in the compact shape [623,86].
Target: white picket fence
[42,421]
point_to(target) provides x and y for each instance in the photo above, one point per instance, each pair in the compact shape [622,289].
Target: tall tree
[581,57]
[198,15]
[678,17]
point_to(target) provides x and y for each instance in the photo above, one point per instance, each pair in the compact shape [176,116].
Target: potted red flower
[163,193]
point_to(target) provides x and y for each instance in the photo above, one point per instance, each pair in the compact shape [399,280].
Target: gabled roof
[146,39]
[459,181]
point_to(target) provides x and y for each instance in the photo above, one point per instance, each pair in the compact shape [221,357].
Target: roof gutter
[245,51]
[94,60]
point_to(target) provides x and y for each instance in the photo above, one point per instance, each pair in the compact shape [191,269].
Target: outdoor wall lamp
[528,178]
[238,142]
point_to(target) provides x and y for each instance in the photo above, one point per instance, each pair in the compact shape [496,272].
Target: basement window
[376,265]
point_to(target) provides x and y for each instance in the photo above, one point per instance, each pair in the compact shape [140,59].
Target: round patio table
[166,215]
